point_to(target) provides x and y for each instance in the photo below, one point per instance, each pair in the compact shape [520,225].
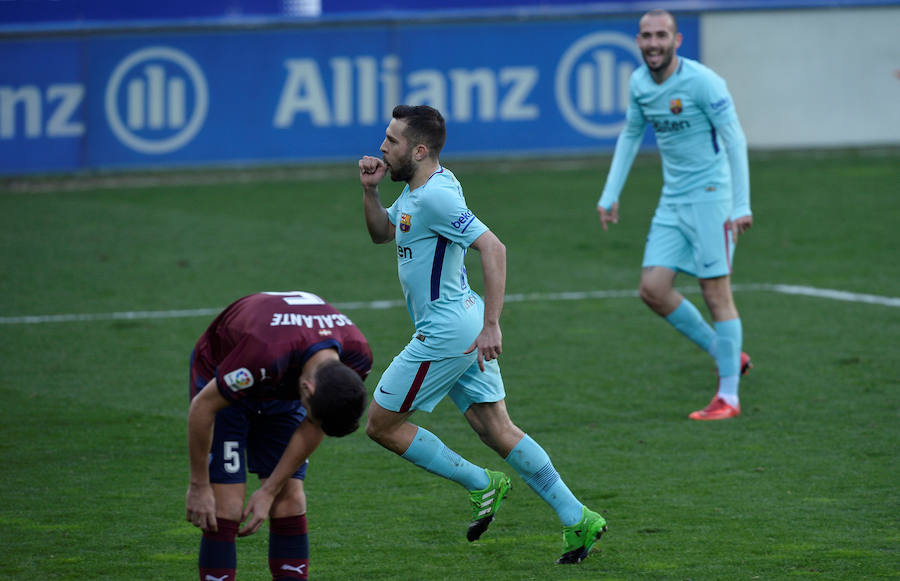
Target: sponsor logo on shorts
[239,379]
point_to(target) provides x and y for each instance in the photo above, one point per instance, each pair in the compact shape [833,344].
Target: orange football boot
[746,364]
[716,410]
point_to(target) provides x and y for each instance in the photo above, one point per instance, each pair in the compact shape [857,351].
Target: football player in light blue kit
[705,202]
[453,351]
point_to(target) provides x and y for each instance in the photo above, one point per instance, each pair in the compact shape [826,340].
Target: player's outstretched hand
[606,216]
[489,344]
[258,506]
[741,225]
[371,170]
[201,508]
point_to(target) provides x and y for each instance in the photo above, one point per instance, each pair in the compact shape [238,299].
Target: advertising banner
[312,93]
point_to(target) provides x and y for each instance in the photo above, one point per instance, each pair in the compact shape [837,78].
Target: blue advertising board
[33,15]
[312,93]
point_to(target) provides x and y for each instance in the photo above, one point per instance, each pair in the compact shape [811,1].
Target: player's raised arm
[493,264]
[371,171]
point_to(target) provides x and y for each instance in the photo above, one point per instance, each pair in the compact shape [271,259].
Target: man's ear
[308,386]
[421,152]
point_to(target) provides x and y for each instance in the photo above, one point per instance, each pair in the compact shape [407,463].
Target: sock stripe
[544,478]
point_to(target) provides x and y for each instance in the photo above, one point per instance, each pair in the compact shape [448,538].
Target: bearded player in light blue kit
[705,202]
[457,336]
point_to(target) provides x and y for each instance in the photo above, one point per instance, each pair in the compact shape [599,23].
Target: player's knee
[501,436]
[229,509]
[372,430]
[292,504]
[650,295]
[378,431]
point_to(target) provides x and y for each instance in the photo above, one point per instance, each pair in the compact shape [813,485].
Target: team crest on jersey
[405,222]
[239,379]
[675,106]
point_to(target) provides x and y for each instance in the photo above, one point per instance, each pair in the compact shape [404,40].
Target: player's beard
[667,55]
[403,170]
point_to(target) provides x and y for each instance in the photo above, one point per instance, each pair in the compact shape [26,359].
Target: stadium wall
[111,98]
[810,79]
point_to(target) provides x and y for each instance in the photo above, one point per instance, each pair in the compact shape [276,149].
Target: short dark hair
[661,12]
[338,400]
[425,125]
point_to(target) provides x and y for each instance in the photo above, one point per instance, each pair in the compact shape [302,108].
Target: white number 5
[232,457]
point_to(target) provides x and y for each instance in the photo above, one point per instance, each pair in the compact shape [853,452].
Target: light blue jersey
[433,229]
[701,144]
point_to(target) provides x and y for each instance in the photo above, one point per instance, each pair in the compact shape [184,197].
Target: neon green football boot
[485,503]
[580,537]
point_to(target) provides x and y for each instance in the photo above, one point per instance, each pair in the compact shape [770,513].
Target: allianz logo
[590,89]
[157,98]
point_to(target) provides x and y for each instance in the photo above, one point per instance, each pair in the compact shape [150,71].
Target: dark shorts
[250,436]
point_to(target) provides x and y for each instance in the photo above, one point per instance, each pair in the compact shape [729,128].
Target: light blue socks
[528,459]
[722,341]
[428,452]
[728,359]
[534,466]
[688,320]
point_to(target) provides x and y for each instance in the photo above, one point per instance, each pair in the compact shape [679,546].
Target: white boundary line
[788,289]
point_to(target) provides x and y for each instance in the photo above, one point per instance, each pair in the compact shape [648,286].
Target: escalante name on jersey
[310,321]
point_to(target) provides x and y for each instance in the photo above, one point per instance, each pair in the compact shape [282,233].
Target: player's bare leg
[657,290]
[390,429]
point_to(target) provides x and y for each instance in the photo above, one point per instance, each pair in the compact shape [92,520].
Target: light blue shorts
[691,238]
[412,384]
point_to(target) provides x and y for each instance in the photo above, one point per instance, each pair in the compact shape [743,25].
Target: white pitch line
[512,298]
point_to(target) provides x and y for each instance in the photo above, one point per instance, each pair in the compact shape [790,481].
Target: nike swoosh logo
[708,264]
[381,389]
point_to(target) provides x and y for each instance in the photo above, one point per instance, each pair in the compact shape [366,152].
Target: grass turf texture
[802,485]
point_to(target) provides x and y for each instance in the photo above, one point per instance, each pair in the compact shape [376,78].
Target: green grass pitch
[803,485]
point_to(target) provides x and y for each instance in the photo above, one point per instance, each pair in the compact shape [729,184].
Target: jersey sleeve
[392,212]
[448,215]
[247,369]
[627,146]
[356,354]
[718,105]
[736,150]
[714,99]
